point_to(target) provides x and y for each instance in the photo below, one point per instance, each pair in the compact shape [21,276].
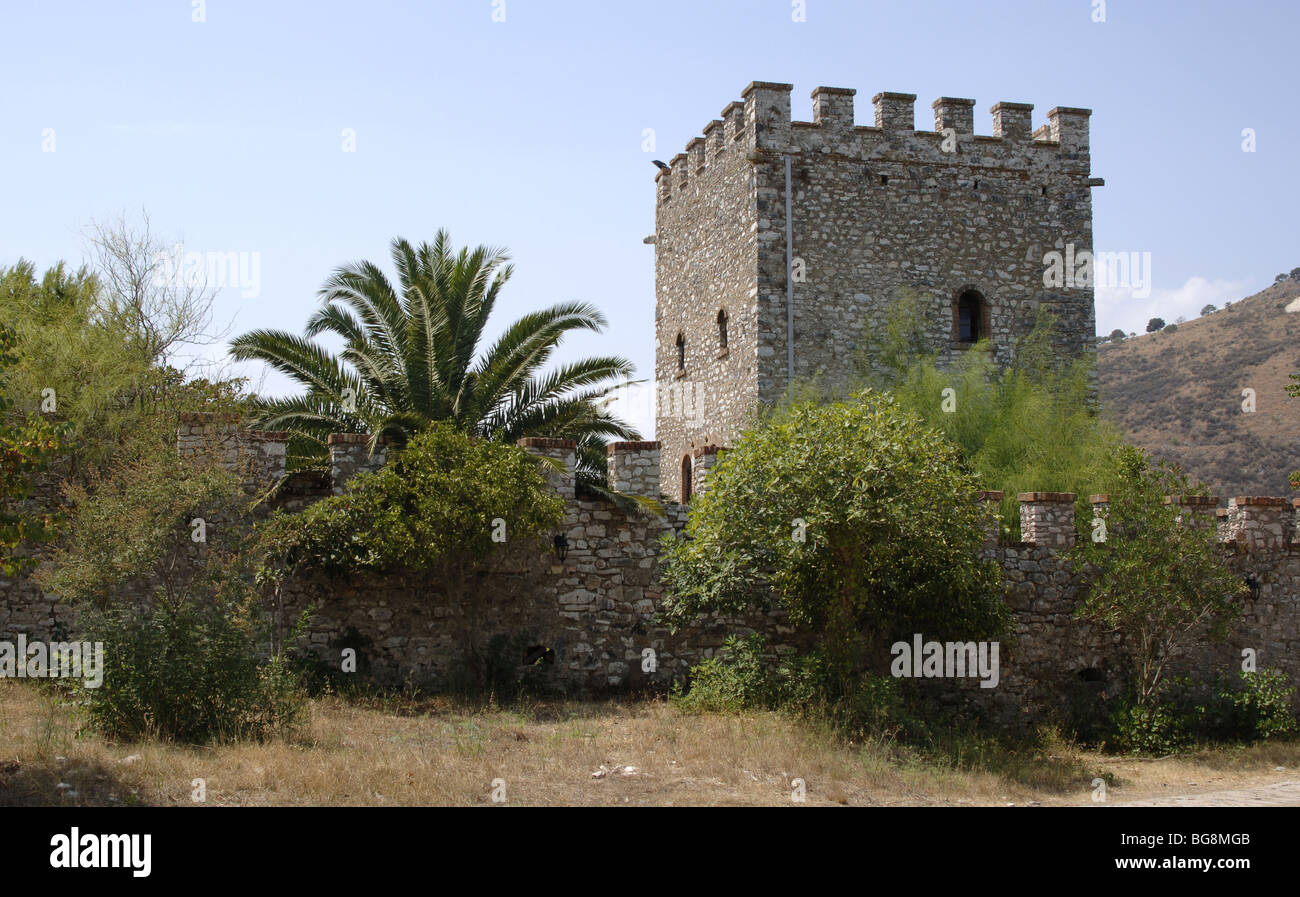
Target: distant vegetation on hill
[1179,393]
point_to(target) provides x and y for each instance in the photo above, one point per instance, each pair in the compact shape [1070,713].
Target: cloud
[1117,306]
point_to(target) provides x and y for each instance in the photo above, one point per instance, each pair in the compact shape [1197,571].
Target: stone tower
[959,221]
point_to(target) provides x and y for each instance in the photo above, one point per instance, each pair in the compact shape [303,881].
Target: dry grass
[1179,394]
[432,752]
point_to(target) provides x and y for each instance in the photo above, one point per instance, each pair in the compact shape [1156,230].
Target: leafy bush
[863,705]
[430,508]
[26,450]
[1251,707]
[742,677]
[160,571]
[1151,728]
[1032,427]
[193,673]
[439,507]
[855,518]
[736,678]
[1153,578]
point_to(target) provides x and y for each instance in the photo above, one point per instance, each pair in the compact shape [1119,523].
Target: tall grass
[1034,426]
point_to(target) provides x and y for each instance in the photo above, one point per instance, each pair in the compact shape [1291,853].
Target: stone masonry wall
[582,624]
[586,622]
[1053,655]
[706,252]
[878,213]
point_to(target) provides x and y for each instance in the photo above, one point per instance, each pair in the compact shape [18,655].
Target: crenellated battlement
[1252,524]
[591,594]
[259,453]
[780,243]
[762,122]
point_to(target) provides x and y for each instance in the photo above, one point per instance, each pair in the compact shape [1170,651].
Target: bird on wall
[661,165]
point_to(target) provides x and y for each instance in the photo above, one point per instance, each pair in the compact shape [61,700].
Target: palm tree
[411,356]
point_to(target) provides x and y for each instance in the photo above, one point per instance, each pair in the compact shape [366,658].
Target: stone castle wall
[583,624]
[587,623]
[878,213]
[1053,656]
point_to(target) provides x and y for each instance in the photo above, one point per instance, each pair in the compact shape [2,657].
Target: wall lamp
[1252,582]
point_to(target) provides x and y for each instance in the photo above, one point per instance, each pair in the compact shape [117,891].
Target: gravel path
[1281,794]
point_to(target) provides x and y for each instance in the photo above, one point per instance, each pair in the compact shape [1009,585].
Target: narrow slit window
[971,317]
[722,328]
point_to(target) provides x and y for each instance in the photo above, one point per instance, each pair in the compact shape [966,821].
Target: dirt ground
[431,752]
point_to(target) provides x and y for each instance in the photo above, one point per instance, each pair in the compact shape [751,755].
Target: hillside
[1180,394]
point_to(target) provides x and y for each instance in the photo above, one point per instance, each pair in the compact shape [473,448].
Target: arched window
[681,351]
[686,479]
[970,317]
[722,328]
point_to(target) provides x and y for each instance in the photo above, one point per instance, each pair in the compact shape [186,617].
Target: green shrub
[440,508]
[853,517]
[742,677]
[1249,707]
[736,678]
[1032,426]
[192,674]
[1150,728]
[187,652]
[863,706]
[1153,578]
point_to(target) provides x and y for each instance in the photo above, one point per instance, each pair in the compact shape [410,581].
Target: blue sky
[528,133]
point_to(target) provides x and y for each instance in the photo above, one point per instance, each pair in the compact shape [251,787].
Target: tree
[1155,324]
[1031,426]
[411,357]
[162,305]
[1208,309]
[1157,579]
[1117,335]
[443,508]
[27,446]
[160,570]
[1279,278]
[1295,273]
[854,518]
[83,368]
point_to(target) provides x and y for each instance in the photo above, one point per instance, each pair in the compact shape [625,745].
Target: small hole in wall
[1092,674]
[977,185]
[884,179]
[538,654]
[1044,191]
